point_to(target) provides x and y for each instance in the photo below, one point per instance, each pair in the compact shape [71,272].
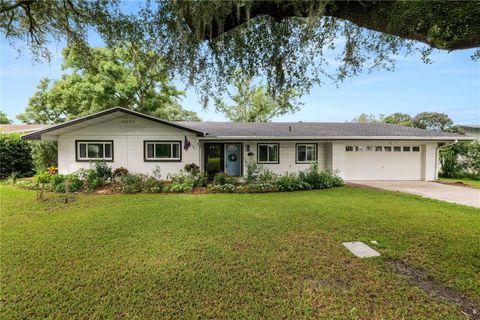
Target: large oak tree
[292,44]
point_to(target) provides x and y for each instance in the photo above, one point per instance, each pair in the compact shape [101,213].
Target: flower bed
[100,177]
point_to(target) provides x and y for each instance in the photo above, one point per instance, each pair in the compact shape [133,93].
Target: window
[349,148]
[94,150]
[406,149]
[306,153]
[368,148]
[162,150]
[267,153]
[387,149]
[358,148]
[416,149]
[378,148]
[397,149]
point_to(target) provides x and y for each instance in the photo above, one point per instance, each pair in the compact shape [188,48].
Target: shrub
[192,169]
[253,170]
[43,177]
[15,156]
[222,178]
[153,185]
[74,182]
[260,187]
[291,182]
[176,186]
[132,183]
[44,154]
[103,170]
[118,172]
[223,188]
[57,183]
[90,178]
[329,179]
[27,184]
[267,175]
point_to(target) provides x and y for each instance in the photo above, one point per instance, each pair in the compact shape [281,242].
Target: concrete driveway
[434,190]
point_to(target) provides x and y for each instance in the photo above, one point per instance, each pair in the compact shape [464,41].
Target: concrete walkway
[434,190]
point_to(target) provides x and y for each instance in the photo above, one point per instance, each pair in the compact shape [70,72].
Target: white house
[138,142]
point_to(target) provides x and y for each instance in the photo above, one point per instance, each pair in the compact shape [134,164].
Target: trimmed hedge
[15,157]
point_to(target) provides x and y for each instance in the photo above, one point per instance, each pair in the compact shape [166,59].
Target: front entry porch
[223,157]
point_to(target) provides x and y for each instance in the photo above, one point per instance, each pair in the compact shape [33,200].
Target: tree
[289,43]
[252,103]
[435,121]
[4,118]
[400,119]
[124,77]
[15,156]
[368,118]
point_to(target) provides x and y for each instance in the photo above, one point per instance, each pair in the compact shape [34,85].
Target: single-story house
[140,143]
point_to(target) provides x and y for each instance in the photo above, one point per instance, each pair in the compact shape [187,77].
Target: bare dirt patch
[456,183]
[425,282]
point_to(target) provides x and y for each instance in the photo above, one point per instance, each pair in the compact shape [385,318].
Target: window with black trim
[94,150]
[306,152]
[416,149]
[162,150]
[268,153]
[397,149]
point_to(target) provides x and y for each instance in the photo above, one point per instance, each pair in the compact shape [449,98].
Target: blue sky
[451,84]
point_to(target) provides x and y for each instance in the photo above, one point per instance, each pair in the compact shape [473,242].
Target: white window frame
[306,145]
[86,143]
[146,158]
[268,153]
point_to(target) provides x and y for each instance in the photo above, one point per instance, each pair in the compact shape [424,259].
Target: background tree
[253,103]
[289,43]
[400,119]
[124,77]
[4,118]
[368,118]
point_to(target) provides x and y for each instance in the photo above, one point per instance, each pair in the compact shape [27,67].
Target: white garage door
[376,162]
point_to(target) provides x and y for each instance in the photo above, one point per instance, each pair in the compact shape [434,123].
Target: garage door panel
[371,165]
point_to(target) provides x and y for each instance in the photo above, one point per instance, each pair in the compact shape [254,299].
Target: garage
[383,162]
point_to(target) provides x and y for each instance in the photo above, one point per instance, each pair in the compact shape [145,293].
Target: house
[21,128]
[472,130]
[140,143]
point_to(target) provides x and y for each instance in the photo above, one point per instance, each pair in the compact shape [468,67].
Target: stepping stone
[360,249]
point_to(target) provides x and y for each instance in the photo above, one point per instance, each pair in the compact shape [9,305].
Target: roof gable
[102,114]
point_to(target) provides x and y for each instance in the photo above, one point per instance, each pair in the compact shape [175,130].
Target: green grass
[470,182]
[239,256]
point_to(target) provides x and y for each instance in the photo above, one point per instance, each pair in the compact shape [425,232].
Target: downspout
[437,152]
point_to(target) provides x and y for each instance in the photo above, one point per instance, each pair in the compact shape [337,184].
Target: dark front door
[214,159]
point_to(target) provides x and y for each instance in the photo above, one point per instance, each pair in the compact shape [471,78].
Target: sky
[451,84]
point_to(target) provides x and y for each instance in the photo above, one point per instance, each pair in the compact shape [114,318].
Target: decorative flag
[186,144]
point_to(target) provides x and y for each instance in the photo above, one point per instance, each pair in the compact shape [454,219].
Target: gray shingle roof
[311,129]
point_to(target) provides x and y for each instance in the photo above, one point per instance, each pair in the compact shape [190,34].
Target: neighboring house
[21,128]
[471,130]
[138,142]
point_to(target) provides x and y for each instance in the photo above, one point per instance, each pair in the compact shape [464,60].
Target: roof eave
[438,138]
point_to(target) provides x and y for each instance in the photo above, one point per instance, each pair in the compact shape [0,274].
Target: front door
[214,159]
[233,159]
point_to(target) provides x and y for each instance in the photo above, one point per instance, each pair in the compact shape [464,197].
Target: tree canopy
[121,77]
[4,118]
[253,103]
[435,121]
[293,45]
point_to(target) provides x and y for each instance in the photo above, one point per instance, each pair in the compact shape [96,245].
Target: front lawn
[469,182]
[235,256]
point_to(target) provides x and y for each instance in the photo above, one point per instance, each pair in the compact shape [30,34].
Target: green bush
[27,184]
[43,177]
[222,178]
[118,172]
[192,169]
[15,156]
[461,160]
[90,179]
[267,176]
[260,187]
[253,171]
[176,186]
[132,183]
[291,182]
[223,188]
[320,179]
[44,154]
[59,181]
[153,185]
[103,170]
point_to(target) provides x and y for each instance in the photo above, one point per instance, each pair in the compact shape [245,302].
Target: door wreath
[232,157]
